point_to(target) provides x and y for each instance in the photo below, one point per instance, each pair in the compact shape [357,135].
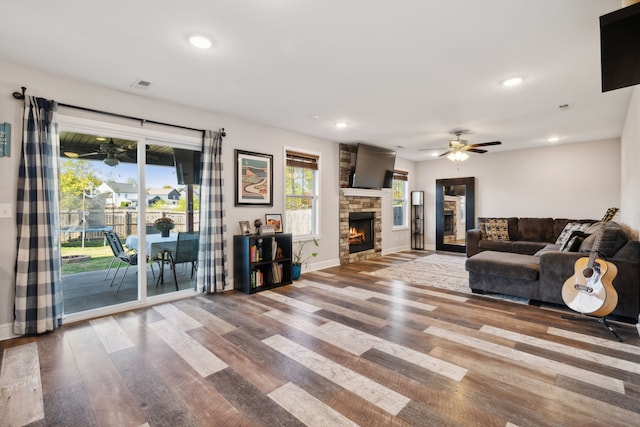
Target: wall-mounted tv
[620,48]
[374,167]
[187,166]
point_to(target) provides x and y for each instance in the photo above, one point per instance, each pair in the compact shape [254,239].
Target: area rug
[437,270]
[440,271]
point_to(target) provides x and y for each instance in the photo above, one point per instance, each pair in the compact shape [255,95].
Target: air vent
[140,84]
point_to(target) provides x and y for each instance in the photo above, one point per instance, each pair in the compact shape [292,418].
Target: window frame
[315,197]
[401,176]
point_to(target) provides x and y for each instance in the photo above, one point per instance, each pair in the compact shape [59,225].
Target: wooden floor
[336,348]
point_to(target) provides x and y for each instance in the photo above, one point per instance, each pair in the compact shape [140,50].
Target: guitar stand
[602,320]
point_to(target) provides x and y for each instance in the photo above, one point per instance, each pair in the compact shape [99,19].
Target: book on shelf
[277,272]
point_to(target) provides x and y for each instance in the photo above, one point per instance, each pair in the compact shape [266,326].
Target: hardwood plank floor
[339,347]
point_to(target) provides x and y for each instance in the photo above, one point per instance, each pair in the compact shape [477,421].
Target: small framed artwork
[275,220]
[245,228]
[253,179]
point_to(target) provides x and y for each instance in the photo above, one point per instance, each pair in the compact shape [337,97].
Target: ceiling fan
[457,150]
[113,153]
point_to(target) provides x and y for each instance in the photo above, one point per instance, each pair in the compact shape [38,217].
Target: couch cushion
[495,245]
[527,248]
[511,265]
[535,229]
[568,230]
[613,238]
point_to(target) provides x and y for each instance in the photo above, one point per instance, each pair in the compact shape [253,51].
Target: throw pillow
[575,240]
[564,237]
[483,230]
[497,229]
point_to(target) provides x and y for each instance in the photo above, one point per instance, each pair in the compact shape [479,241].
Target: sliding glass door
[118,193]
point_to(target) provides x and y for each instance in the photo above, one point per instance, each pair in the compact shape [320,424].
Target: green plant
[298,254]
[164,224]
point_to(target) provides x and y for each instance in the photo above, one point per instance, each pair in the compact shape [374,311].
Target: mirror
[455,213]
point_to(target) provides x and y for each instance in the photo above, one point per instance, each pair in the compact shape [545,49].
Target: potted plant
[299,258]
[163,225]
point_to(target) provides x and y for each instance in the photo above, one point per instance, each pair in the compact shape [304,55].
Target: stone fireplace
[357,201]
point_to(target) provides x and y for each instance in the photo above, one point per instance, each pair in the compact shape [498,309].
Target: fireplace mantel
[364,192]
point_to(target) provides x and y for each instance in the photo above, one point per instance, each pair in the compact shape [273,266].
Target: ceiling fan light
[111,161]
[458,156]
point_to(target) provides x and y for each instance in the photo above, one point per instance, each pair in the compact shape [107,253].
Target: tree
[76,176]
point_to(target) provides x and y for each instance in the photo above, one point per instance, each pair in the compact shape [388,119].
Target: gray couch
[531,265]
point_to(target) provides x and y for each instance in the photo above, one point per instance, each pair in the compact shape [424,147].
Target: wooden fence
[122,221]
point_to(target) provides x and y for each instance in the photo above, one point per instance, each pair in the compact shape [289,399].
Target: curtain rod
[18,95]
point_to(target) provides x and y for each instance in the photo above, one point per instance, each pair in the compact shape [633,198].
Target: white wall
[241,134]
[561,181]
[630,172]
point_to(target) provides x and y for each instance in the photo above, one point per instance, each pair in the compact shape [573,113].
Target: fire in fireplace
[361,231]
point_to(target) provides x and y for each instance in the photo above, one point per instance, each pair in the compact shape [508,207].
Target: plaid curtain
[212,256]
[38,301]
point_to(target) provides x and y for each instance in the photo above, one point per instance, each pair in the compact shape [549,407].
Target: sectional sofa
[533,257]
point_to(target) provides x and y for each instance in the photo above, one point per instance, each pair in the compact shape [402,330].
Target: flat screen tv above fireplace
[374,167]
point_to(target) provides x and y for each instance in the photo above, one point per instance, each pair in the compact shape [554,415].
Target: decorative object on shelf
[163,225]
[274,220]
[5,139]
[267,229]
[257,223]
[245,228]
[299,257]
[253,178]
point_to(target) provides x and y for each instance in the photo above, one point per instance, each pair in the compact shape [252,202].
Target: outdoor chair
[121,255]
[186,251]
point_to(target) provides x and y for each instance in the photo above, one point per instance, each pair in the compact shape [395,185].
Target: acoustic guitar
[590,290]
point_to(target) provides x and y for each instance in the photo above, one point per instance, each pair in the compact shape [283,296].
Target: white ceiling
[402,73]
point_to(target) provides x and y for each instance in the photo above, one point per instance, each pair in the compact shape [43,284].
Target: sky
[156,176]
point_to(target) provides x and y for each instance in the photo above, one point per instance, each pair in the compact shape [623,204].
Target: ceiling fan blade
[72,155]
[476,150]
[486,144]
[445,153]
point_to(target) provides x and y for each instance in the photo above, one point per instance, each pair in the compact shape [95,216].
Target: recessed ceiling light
[200,42]
[101,138]
[513,81]
[315,117]
[553,139]
[341,125]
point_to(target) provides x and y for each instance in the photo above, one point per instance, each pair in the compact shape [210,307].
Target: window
[301,194]
[400,180]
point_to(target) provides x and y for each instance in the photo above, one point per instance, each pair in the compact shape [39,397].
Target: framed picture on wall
[253,179]
[274,220]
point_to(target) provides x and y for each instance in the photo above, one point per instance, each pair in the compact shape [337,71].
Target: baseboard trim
[6,332]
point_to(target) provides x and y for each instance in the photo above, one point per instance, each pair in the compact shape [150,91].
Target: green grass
[100,256]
